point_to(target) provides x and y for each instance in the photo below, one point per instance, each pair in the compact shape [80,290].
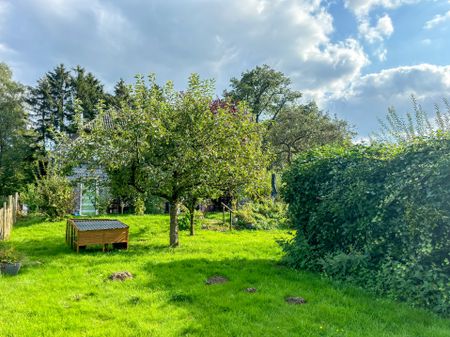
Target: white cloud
[381,54]
[215,38]
[4,49]
[329,69]
[383,29]
[369,97]
[437,20]
[362,8]
[221,39]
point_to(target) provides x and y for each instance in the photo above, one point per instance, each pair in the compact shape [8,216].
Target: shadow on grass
[230,310]
[50,242]
[29,221]
[55,246]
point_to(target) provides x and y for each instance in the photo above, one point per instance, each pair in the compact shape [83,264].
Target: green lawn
[60,293]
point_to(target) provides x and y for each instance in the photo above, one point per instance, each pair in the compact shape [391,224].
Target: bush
[154,205]
[377,215]
[139,205]
[9,254]
[265,214]
[52,195]
[184,221]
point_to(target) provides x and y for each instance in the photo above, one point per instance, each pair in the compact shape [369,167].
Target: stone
[295,300]
[121,276]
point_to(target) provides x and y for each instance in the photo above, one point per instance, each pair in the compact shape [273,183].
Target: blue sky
[354,57]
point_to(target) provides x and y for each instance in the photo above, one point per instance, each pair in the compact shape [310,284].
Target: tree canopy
[16,150]
[53,101]
[265,90]
[299,128]
[173,145]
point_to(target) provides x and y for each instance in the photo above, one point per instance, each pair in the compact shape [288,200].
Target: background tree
[16,150]
[172,143]
[122,93]
[40,102]
[265,90]
[300,128]
[88,89]
[53,101]
[61,106]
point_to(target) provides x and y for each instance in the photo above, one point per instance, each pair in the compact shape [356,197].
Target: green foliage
[52,195]
[262,214]
[102,200]
[170,144]
[55,98]
[154,204]
[139,206]
[299,128]
[16,142]
[265,90]
[376,215]
[414,124]
[8,254]
[184,219]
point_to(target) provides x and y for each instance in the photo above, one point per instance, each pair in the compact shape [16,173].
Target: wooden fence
[8,216]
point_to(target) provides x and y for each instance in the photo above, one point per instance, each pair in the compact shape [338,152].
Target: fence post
[5,224]
[15,206]
[8,216]
[11,214]
[2,227]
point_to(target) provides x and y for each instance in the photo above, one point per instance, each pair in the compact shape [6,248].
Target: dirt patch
[216,228]
[217,279]
[295,300]
[250,290]
[120,276]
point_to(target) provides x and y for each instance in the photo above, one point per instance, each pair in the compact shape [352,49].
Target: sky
[356,58]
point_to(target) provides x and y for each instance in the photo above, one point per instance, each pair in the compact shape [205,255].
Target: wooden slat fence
[8,216]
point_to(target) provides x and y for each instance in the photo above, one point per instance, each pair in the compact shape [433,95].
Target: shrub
[154,204]
[184,221]
[9,255]
[376,215]
[139,205]
[264,214]
[52,195]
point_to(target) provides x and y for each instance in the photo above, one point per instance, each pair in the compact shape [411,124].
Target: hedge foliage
[262,214]
[375,215]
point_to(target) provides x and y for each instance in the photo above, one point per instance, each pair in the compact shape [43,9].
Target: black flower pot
[10,268]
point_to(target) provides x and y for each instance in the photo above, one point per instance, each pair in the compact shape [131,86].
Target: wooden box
[83,232]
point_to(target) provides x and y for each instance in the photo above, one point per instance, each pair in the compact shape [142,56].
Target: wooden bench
[83,232]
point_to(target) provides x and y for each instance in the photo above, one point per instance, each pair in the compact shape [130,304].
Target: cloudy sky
[355,57]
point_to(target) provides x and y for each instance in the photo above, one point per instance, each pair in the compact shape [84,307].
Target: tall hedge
[377,216]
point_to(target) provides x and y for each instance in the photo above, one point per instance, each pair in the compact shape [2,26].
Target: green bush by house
[378,216]
[264,214]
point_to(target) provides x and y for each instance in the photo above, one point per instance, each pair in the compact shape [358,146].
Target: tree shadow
[29,221]
[229,309]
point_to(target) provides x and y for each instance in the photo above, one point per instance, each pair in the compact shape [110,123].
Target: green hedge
[378,216]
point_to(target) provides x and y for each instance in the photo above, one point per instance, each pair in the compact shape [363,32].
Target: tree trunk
[173,210]
[274,193]
[191,220]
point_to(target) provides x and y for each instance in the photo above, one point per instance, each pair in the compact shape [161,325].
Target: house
[88,189]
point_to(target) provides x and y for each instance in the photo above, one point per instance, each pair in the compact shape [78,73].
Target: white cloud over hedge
[369,97]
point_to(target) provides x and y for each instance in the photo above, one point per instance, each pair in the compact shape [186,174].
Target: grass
[60,293]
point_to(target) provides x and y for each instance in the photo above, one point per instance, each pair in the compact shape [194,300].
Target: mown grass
[60,293]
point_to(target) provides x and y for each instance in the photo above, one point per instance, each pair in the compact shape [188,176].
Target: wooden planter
[83,232]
